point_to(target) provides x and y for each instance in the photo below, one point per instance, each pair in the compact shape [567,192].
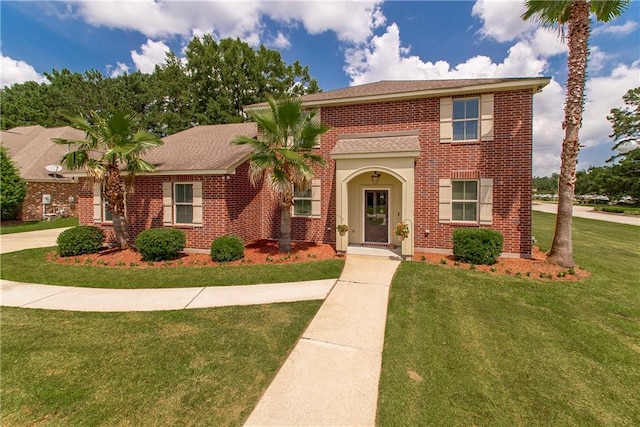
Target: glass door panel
[376,216]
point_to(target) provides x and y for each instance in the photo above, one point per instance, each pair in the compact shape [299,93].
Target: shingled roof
[202,149]
[31,150]
[403,89]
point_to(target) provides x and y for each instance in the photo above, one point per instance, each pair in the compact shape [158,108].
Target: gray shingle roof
[376,144]
[202,148]
[31,149]
[410,88]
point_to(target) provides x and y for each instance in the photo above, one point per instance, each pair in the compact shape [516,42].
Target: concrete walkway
[331,377]
[31,295]
[29,240]
[588,213]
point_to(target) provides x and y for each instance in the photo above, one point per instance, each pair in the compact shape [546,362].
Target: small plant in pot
[401,230]
[342,229]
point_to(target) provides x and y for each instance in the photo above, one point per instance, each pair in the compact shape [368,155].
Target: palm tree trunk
[114,194]
[120,227]
[578,37]
[284,244]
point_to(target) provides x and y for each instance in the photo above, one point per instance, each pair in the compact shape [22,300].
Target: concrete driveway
[589,213]
[29,240]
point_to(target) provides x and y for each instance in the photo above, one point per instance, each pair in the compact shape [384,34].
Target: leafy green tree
[626,121]
[229,75]
[172,107]
[112,142]
[14,188]
[284,153]
[546,184]
[574,15]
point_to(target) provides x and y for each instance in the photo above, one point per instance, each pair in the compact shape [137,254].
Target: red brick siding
[233,205]
[506,159]
[230,205]
[60,192]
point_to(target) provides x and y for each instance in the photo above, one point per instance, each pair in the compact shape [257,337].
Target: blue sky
[343,43]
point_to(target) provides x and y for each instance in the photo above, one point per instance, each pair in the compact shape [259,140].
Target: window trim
[175,203]
[302,198]
[466,201]
[477,119]
[316,201]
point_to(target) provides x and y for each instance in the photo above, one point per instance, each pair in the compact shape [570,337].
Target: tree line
[210,85]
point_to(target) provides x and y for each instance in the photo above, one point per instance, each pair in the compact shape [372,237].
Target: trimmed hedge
[477,245]
[227,248]
[80,240]
[160,244]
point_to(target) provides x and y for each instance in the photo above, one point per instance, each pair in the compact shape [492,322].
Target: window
[465,119]
[107,212]
[184,203]
[307,202]
[464,200]
[302,202]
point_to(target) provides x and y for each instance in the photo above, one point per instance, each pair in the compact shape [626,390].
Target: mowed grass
[188,367]
[39,225]
[31,266]
[471,348]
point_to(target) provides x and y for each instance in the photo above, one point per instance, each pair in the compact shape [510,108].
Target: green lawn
[31,266]
[39,225]
[189,367]
[470,348]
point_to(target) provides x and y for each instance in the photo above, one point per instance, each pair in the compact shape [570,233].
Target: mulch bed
[266,252]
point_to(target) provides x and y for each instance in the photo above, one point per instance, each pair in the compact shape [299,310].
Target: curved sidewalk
[31,295]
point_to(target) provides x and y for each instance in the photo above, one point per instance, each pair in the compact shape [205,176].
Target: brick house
[435,155]
[31,150]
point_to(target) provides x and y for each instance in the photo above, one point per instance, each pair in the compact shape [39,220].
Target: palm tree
[112,143]
[283,153]
[574,15]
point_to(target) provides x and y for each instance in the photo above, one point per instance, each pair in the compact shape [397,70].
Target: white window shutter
[316,195]
[444,200]
[167,203]
[446,119]
[197,204]
[486,201]
[486,117]
[97,202]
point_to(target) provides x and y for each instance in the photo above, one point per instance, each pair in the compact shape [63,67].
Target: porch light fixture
[375,176]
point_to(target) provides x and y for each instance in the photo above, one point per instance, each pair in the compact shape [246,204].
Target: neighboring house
[31,149]
[435,155]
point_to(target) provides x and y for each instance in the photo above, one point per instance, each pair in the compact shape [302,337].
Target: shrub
[477,245]
[80,240]
[227,248]
[159,244]
[13,189]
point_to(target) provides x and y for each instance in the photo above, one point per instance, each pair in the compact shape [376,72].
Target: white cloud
[120,69]
[617,30]
[501,19]
[281,42]
[386,59]
[351,21]
[602,94]
[153,53]
[14,71]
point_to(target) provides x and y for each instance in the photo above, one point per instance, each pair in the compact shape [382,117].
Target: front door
[376,216]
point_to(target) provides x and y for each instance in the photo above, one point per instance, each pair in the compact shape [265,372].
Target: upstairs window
[465,119]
